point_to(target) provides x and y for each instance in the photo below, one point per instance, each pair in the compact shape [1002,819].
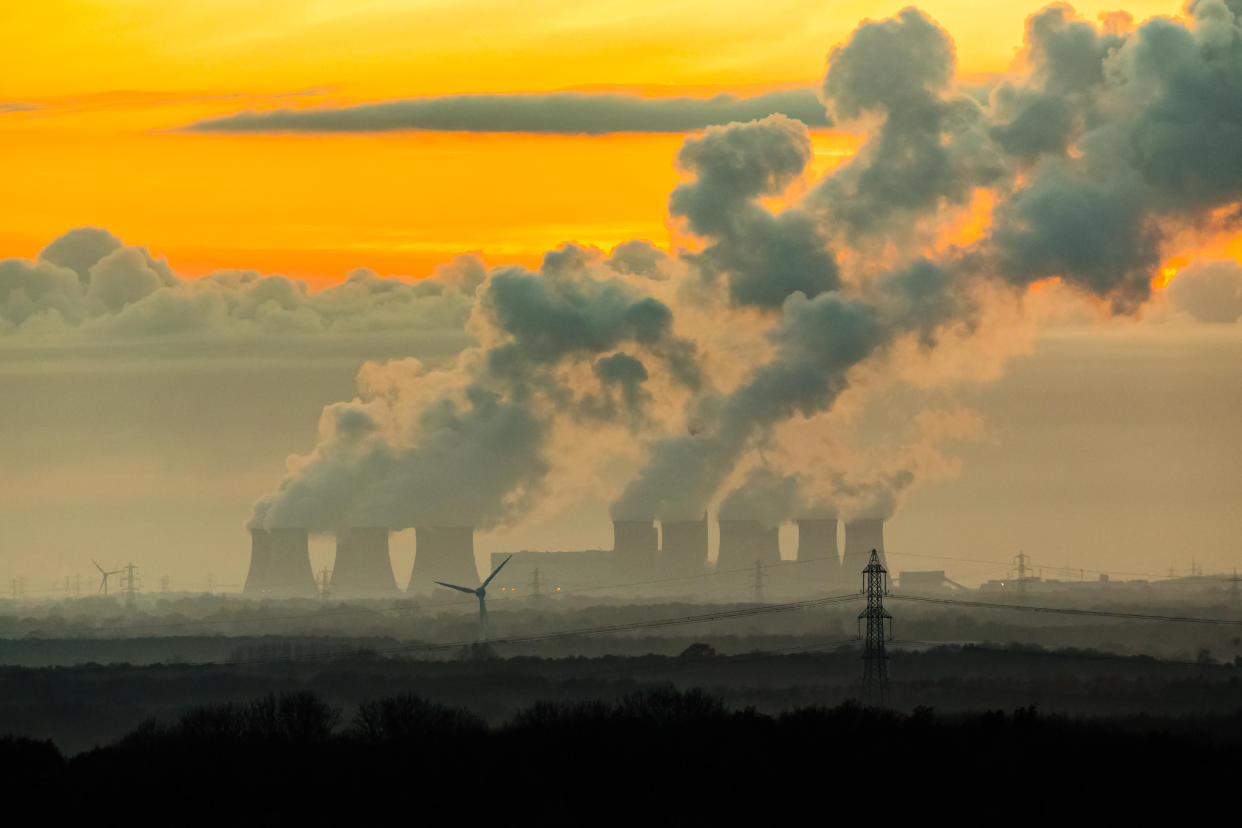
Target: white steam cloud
[735,371]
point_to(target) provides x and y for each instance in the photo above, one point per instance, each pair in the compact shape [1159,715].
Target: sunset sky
[92,94]
[1062,405]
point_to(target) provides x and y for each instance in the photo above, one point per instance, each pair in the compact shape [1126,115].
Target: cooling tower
[742,542]
[443,553]
[861,536]
[279,565]
[819,563]
[683,548]
[362,568]
[634,549]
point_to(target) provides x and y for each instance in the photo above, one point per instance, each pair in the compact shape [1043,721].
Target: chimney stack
[443,553]
[819,562]
[363,568]
[742,542]
[683,548]
[861,536]
[279,565]
[634,549]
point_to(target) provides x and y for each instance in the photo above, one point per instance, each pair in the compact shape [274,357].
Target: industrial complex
[644,554]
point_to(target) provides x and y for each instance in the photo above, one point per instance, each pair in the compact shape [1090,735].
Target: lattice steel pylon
[875,660]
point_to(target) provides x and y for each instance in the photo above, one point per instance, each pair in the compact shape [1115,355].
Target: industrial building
[363,568]
[279,565]
[745,542]
[636,551]
[819,559]
[861,536]
[442,553]
[548,574]
[673,554]
[928,581]
[683,547]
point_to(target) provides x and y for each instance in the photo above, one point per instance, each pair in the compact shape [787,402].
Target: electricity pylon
[1022,559]
[759,582]
[324,582]
[875,660]
[129,584]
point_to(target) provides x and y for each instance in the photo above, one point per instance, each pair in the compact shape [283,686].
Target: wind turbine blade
[456,587]
[497,569]
[97,566]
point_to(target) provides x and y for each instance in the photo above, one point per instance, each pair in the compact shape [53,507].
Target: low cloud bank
[555,112]
[88,284]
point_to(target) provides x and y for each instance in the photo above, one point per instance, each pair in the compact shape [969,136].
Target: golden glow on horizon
[383,48]
[111,78]
[317,207]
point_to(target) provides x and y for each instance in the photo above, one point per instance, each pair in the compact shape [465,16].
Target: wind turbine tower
[481,594]
[103,584]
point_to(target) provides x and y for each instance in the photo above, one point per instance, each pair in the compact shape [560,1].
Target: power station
[643,552]
[745,542]
[442,553]
[861,536]
[280,564]
[635,550]
[363,568]
[683,547]
[819,559]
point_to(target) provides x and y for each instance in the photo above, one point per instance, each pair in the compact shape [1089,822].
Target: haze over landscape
[1034,383]
[582,405]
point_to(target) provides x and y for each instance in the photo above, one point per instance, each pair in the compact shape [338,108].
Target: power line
[1138,616]
[356,610]
[1169,575]
[673,621]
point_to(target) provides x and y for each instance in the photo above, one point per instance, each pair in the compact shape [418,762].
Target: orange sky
[111,77]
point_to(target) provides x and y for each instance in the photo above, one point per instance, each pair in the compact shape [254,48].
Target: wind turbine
[103,585]
[481,594]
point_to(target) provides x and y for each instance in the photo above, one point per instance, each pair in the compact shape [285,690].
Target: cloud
[1111,141]
[765,257]
[1209,291]
[89,285]
[930,150]
[1152,120]
[817,342]
[80,249]
[766,495]
[554,112]
[473,442]
[1087,175]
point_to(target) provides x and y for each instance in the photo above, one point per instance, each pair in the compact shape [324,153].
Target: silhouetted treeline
[81,707]
[655,757]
